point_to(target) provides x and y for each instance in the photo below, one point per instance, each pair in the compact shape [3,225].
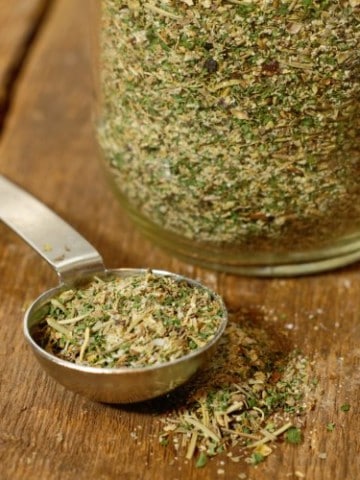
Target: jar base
[261,264]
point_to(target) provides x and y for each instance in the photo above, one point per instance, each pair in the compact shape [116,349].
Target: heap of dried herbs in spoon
[252,393]
[235,121]
[136,321]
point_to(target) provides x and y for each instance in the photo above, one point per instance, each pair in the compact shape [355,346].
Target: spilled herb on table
[249,397]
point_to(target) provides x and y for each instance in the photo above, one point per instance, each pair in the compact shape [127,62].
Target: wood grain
[18,27]
[49,147]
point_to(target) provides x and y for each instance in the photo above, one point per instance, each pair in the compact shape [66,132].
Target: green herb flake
[202,460]
[293,435]
[164,441]
[345,407]
[256,458]
[330,427]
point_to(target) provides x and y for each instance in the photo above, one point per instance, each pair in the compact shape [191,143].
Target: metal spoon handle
[58,243]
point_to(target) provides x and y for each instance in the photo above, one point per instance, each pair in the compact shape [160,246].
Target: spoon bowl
[75,261]
[116,385]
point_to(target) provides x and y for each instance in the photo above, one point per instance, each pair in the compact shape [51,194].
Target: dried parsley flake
[293,435]
[137,321]
[256,458]
[330,427]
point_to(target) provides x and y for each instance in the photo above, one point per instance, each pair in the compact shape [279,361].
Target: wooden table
[47,106]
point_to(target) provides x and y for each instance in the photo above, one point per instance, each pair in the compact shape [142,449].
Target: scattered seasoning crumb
[235,123]
[299,474]
[59,437]
[346,283]
[289,326]
[202,460]
[330,427]
[140,320]
[256,458]
[345,407]
[323,456]
[246,399]
[293,435]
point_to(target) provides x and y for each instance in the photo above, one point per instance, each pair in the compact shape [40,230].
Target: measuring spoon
[75,260]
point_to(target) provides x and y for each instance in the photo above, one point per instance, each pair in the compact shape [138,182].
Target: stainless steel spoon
[74,259]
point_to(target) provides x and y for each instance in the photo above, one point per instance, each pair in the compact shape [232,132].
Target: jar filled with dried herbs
[231,128]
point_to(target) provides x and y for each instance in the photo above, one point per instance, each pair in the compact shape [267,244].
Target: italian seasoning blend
[235,122]
[138,321]
[252,394]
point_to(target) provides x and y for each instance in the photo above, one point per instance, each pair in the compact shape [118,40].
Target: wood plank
[19,23]
[47,432]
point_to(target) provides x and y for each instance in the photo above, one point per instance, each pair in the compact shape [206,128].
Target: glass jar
[231,129]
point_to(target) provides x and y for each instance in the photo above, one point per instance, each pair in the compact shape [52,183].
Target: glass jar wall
[231,129]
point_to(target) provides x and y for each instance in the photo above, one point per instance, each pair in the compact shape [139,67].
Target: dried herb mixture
[252,394]
[137,321]
[235,121]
